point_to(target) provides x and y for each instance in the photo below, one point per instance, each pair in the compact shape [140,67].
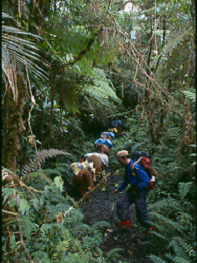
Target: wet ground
[100,209]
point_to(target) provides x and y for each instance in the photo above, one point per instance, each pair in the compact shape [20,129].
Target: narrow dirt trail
[100,209]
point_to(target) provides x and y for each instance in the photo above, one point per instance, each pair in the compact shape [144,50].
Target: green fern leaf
[102,88]
[184,189]
[157,259]
[28,226]
[113,253]
[190,95]
[40,157]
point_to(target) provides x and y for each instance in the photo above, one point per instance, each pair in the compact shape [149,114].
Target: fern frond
[174,42]
[159,235]
[102,88]
[190,95]
[157,259]
[184,188]
[46,227]
[173,133]
[101,224]
[113,253]
[178,259]
[82,228]
[52,172]
[40,175]
[27,226]
[167,222]
[40,158]
[38,255]
[180,249]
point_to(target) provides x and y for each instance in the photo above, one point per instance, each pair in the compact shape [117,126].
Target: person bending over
[138,180]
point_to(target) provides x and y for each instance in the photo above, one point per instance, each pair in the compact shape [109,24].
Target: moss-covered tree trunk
[13,126]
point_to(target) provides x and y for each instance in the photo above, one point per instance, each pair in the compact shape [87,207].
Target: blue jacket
[119,123]
[110,134]
[100,140]
[141,179]
[107,142]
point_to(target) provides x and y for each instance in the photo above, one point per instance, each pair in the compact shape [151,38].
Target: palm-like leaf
[17,51]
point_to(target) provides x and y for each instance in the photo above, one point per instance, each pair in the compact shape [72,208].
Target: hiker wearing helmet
[138,180]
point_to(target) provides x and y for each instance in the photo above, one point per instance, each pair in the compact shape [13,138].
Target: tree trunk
[13,126]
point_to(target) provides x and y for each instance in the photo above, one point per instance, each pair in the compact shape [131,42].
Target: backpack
[143,159]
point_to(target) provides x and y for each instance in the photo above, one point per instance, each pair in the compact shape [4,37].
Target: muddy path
[100,209]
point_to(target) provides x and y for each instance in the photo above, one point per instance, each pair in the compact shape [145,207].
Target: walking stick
[112,212]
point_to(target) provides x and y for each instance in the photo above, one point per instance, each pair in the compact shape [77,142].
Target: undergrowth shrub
[41,225]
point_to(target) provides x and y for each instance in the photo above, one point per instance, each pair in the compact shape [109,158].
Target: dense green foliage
[68,68]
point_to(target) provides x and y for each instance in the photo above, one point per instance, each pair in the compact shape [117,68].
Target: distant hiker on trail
[138,180]
[117,124]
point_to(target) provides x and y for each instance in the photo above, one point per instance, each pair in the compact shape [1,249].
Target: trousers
[139,199]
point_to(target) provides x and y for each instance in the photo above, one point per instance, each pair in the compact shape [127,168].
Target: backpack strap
[133,164]
[138,160]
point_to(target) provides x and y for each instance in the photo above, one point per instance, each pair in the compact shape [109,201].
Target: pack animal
[102,148]
[98,165]
[83,181]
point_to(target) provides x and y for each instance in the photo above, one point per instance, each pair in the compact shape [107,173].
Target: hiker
[117,124]
[137,192]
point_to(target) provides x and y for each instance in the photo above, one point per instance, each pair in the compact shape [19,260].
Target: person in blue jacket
[137,192]
[117,124]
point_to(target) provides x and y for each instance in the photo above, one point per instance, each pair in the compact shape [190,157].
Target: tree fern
[173,42]
[40,157]
[102,88]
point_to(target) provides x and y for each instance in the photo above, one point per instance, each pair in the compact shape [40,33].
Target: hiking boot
[122,230]
[124,225]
